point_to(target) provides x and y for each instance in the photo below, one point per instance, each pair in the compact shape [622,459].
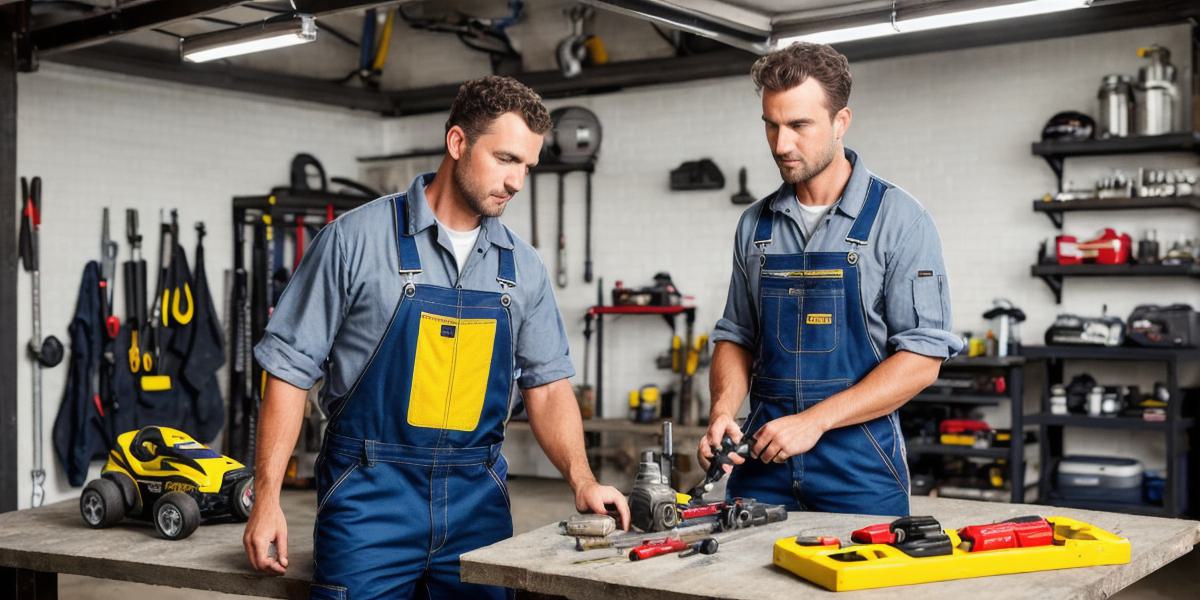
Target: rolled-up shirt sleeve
[542,352]
[917,294]
[307,317]
[739,324]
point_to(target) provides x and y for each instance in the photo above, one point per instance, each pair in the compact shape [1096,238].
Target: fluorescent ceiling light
[951,19]
[269,34]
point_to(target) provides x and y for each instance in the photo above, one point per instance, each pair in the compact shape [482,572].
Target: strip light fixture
[269,34]
[950,19]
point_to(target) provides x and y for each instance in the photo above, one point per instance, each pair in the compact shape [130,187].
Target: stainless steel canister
[1160,95]
[1116,106]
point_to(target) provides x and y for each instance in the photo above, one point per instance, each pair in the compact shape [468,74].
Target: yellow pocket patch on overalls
[819,319]
[451,372]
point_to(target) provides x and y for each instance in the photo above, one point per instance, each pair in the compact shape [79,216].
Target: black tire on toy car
[101,504]
[176,515]
[241,499]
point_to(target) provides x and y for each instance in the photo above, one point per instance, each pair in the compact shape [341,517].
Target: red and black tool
[654,548]
[915,536]
[818,540]
[1021,532]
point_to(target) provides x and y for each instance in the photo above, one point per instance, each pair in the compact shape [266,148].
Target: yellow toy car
[165,476]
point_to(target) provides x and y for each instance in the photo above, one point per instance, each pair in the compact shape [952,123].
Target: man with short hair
[420,310]
[838,310]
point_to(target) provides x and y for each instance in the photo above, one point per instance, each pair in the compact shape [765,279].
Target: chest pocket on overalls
[451,372]
[818,309]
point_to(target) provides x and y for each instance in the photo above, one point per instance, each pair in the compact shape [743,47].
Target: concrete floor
[536,502]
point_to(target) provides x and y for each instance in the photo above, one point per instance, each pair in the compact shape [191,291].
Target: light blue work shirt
[904,289]
[339,302]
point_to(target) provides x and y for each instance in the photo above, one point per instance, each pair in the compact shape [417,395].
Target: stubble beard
[476,199]
[794,175]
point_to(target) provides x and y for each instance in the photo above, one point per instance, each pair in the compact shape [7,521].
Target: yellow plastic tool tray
[1076,544]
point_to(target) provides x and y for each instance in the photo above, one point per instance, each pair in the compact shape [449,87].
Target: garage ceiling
[140,37]
[757,25]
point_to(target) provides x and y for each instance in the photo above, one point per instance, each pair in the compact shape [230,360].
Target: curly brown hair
[480,101]
[789,67]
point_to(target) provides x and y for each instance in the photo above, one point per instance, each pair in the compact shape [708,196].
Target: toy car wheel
[241,499]
[176,515]
[101,504]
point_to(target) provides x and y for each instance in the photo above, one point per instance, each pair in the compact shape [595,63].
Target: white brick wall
[98,140]
[953,128]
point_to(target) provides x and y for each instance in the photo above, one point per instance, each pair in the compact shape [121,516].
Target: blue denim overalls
[411,475]
[814,343]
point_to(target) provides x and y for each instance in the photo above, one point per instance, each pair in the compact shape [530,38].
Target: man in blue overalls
[838,310]
[420,310]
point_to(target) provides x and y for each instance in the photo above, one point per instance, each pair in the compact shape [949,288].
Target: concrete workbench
[37,544]
[545,562]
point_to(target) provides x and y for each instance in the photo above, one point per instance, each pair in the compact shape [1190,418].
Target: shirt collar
[853,195]
[420,216]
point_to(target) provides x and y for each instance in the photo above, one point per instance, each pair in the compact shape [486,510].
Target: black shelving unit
[1176,428]
[1012,369]
[1056,153]
[1053,275]
[1054,210]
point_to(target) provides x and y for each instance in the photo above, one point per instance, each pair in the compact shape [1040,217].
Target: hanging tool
[103,395]
[108,266]
[533,223]
[135,296]
[743,195]
[587,232]
[299,251]
[46,352]
[178,287]
[560,262]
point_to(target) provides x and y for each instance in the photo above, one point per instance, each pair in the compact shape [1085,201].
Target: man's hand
[721,425]
[266,526]
[593,497]
[786,437]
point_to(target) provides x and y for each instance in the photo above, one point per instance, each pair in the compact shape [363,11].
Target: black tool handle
[587,240]
[533,224]
[561,262]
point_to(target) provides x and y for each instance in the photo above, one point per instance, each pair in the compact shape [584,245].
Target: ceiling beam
[164,65]
[1095,19]
[598,79]
[99,27]
[157,64]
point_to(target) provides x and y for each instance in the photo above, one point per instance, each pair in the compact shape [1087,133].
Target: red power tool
[1021,532]
[658,548]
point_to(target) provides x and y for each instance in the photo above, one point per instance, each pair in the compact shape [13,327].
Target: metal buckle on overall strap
[410,288]
[762,252]
[505,298]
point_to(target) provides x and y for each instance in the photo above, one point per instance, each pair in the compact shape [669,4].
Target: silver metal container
[1116,106]
[1159,104]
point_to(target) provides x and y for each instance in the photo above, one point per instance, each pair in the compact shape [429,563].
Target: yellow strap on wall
[156,383]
